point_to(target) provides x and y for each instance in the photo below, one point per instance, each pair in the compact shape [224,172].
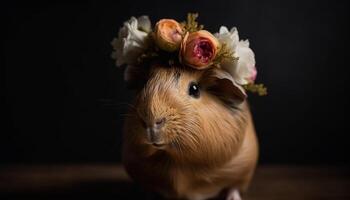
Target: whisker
[179,146]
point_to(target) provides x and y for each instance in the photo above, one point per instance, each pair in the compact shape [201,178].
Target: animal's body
[190,135]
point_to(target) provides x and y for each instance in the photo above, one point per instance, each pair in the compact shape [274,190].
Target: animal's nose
[154,132]
[158,123]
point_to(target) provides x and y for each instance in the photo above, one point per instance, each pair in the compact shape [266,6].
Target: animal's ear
[221,84]
[136,76]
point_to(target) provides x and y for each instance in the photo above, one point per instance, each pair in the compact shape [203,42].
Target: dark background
[63,99]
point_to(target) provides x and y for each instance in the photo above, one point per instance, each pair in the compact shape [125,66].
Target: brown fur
[210,145]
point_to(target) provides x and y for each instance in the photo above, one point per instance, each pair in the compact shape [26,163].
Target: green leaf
[256,88]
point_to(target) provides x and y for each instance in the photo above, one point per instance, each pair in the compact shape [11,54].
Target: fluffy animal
[190,134]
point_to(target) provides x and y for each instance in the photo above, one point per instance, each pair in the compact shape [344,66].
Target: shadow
[92,190]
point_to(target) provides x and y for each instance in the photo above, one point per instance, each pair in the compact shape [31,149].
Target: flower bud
[168,34]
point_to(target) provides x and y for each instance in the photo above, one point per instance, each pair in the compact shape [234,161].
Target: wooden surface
[111,182]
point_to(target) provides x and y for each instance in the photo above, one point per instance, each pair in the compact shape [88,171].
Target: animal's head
[194,115]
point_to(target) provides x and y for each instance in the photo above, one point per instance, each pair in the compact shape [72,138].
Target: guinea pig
[190,134]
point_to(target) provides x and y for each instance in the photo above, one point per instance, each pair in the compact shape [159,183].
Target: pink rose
[198,49]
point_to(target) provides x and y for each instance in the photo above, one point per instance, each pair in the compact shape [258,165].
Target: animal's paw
[233,194]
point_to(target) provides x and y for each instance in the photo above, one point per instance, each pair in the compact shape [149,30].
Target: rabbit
[189,134]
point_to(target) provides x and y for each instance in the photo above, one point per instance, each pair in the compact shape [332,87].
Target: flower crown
[189,44]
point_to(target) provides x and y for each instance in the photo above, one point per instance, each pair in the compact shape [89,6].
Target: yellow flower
[198,49]
[168,34]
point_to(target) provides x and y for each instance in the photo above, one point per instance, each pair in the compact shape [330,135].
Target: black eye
[193,90]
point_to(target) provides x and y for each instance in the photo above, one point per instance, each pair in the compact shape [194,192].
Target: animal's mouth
[159,145]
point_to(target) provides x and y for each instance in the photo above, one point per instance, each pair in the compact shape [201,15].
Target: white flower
[245,68]
[243,71]
[131,41]
[230,38]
